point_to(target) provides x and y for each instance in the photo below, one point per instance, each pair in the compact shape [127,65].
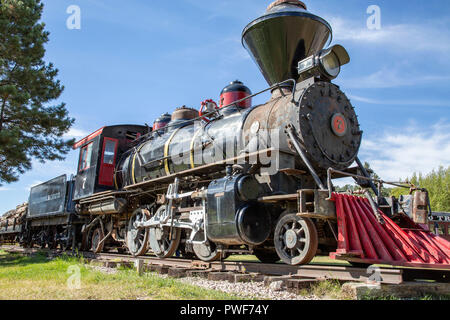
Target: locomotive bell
[235,91]
[286,34]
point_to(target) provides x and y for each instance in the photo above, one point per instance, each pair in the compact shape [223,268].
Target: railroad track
[293,276]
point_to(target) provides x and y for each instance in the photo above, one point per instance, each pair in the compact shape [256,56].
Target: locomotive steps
[357,283]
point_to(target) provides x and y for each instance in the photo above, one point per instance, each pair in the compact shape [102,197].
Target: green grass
[328,290]
[37,277]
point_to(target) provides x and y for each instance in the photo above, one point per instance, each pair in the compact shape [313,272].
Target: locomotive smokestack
[286,34]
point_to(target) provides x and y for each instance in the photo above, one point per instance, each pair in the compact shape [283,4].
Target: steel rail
[344,273]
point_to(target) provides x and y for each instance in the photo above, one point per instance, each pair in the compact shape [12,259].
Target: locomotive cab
[99,153]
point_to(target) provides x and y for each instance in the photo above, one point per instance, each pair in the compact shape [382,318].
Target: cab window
[85,157]
[110,151]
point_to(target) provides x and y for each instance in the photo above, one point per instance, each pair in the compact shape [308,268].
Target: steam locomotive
[230,178]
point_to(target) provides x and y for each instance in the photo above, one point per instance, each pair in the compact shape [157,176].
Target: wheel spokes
[295,239]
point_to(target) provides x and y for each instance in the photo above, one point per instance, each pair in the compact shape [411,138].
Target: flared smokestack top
[286,34]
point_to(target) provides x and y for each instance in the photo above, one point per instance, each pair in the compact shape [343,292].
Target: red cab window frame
[106,173]
[83,158]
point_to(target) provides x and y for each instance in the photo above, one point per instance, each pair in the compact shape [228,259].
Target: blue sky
[133,60]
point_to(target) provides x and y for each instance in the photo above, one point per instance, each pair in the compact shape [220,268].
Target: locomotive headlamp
[330,64]
[326,64]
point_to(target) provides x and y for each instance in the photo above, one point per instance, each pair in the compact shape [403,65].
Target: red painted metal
[88,138]
[230,97]
[106,174]
[362,238]
[354,241]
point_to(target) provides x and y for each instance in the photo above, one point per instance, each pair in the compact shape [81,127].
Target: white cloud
[427,36]
[399,152]
[5,189]
[392,78]
[403,102]
[76,133]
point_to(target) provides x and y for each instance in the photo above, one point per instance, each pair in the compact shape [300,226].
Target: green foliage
[30,128]
[438,185]
[37,277]
[327,289]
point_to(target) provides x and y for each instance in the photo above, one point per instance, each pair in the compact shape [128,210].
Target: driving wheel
[206,251]
[97,236]
[137,238]
[163,240]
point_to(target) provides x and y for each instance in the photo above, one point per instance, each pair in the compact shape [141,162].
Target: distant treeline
[438,185]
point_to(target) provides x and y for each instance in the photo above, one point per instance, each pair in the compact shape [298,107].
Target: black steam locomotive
[229,179]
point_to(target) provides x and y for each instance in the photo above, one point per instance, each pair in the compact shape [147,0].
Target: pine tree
[30,128]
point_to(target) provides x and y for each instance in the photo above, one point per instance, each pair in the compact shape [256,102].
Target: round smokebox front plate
[328,126]
[339,124]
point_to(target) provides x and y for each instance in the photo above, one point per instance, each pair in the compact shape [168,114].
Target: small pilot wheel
[207,251]
[137,238]
[97,236]
[295,239]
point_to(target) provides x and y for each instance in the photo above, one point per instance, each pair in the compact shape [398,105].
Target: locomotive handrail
[292,136]
[331,171]
[277,85]
[373,205]
[198,169]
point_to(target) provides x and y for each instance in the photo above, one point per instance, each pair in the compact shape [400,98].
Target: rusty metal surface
[184,113]
[291,2]
[420,207]
[285,197]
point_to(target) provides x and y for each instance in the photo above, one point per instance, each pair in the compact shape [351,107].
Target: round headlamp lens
[330,64]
